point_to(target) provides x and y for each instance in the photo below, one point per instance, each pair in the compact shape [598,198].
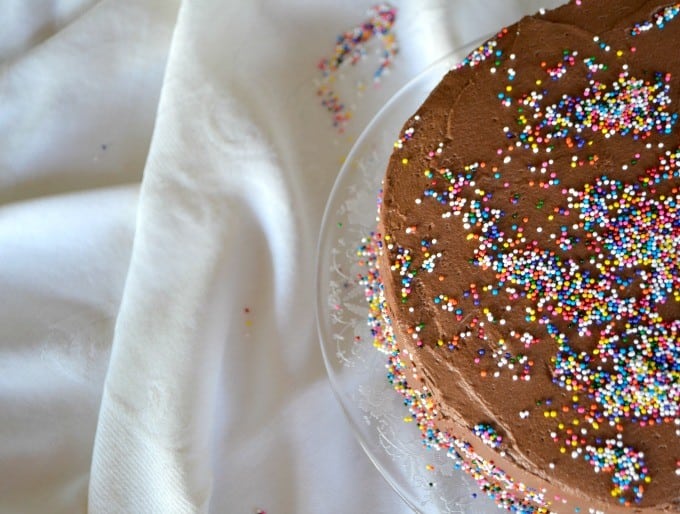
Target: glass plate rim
[443,64]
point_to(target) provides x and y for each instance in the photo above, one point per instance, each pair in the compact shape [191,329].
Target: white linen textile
[164,167]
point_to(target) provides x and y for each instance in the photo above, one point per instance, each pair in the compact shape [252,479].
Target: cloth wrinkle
[164,167]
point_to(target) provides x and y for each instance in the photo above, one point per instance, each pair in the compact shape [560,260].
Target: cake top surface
[530,217]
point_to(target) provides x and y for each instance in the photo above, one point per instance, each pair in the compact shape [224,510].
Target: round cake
[529,233]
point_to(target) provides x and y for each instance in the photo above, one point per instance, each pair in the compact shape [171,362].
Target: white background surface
[164,166]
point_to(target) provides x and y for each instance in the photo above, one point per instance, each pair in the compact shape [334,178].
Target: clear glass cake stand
[426,479]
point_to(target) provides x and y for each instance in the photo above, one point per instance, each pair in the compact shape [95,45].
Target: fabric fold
[164,168]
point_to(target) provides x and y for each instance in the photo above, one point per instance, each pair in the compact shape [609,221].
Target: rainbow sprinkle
[628,105]
[350,48]
[659,20]
[488,434]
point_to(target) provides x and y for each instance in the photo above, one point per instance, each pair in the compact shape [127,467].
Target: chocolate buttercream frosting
[530,233]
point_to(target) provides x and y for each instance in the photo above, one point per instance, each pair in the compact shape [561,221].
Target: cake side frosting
[530,232]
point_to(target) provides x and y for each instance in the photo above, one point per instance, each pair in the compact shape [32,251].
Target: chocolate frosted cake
[528,240]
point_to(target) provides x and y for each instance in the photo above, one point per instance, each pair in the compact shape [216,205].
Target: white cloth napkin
[164,166]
